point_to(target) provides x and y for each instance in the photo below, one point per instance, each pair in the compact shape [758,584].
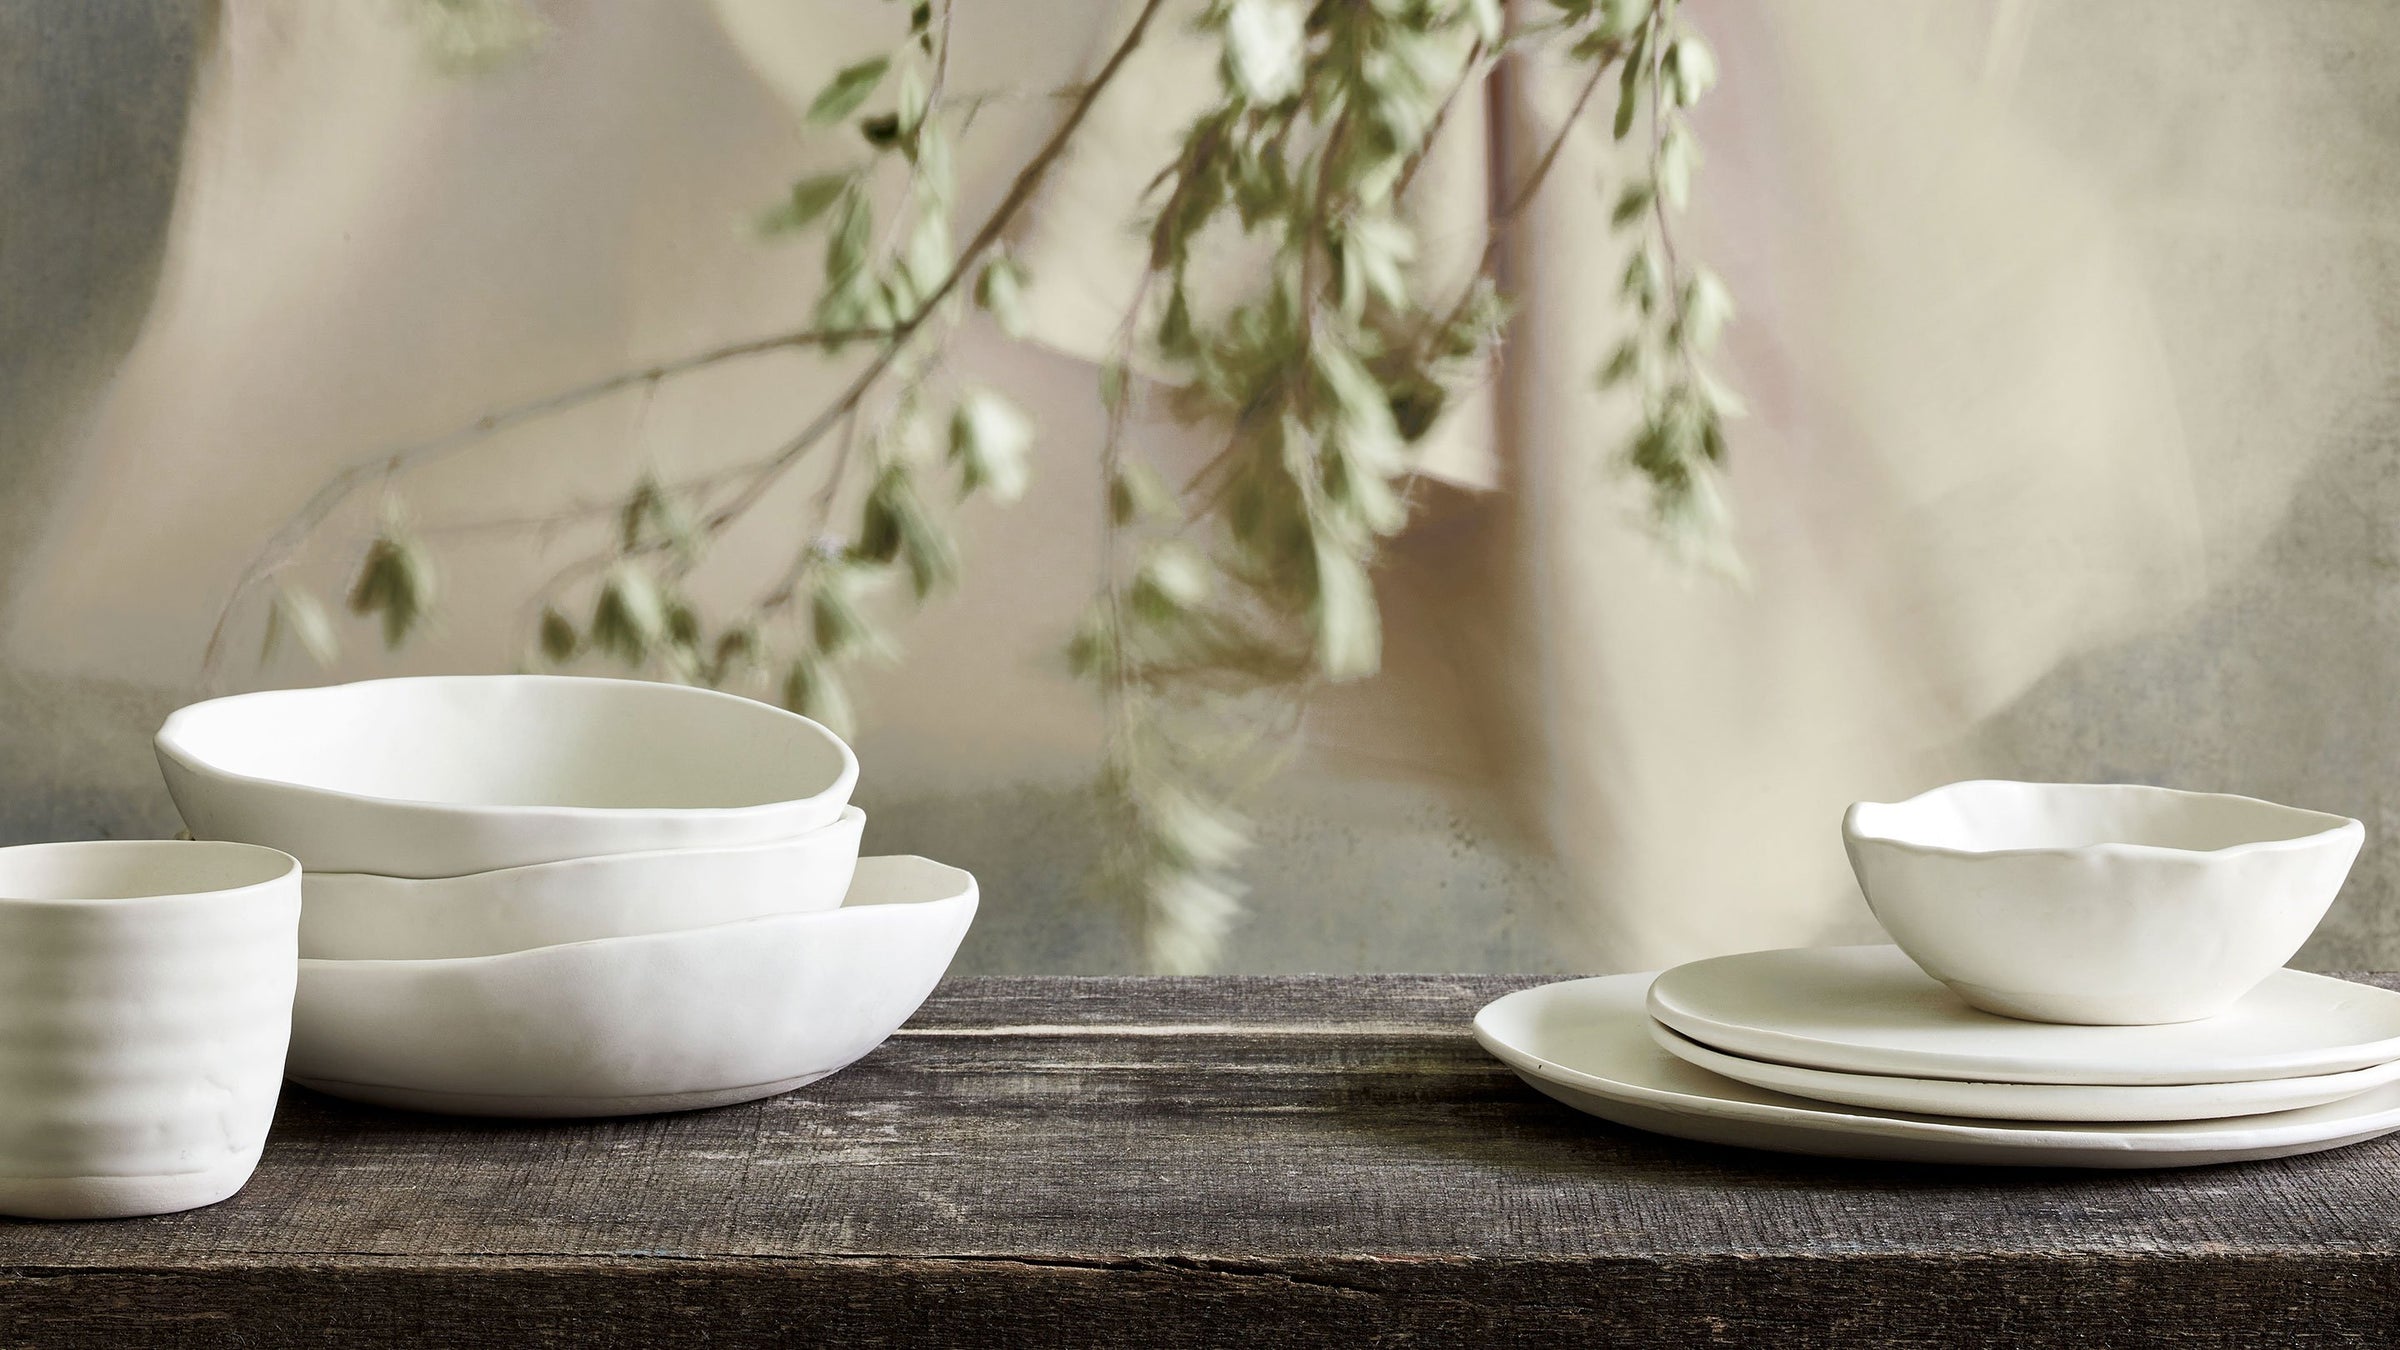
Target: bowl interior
[134,869]
[1989,817]
[528,740]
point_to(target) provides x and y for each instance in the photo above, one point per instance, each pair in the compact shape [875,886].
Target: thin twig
[281,547]
[1470,73]
[1531,187]
[1020,192]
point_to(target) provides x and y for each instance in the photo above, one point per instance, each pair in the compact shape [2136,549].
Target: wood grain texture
[1188,1162]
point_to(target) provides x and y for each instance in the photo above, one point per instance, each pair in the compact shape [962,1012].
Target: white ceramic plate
[623,1026]
[363,916]
[1587,1043]
[2082,1102]
[439,776]
[1871,1010]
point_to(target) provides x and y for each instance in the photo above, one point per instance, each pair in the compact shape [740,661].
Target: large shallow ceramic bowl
[366,916]
[624,1026]
[145,1001]
[2097,903]
[445,775]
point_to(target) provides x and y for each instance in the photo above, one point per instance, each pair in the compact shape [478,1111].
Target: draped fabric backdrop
[2055,317]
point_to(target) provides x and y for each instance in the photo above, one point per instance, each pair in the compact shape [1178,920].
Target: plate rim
[1824,1118]
[1767,1043]
[2358,1081]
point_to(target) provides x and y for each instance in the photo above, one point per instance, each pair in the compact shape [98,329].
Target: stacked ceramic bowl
[2084,975]
[551,896]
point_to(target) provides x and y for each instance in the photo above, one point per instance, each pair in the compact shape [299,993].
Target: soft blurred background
[2072,330]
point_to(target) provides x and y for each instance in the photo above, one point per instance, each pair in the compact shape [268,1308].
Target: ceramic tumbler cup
[145,1007]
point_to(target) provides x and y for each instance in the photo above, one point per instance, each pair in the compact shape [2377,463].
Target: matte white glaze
[365,916]
[1586,1043]
[1983,1100]
[2097,903]
[1872,1010]
[445,775]
[145,1005]
[621,1026]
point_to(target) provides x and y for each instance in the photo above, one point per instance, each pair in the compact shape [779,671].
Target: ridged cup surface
[142,1027]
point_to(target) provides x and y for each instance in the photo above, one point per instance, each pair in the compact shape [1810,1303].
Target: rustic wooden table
[1173,1162]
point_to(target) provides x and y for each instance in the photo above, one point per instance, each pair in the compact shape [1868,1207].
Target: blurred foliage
[1227,599]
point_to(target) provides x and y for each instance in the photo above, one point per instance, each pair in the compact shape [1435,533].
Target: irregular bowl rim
[844,818]
[842,785]
[968,892]
[2334,825]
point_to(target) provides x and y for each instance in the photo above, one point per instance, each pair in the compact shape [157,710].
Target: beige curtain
[2022,286]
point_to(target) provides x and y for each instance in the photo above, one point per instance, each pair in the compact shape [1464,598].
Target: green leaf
[810,198]
[1177,339]
[1374,250]
[396,581]
[1620,17]
[1136,492]
[298,614]
[1721,400]
[999,289]
[1692,68]
[559,639]
[1266,42]
[989,439]
[683,625]
[1172,579]
[1629,96]
[853,234]
[927,254]
[1645,279]
[1093,648]
[1631,203]
[848,89]
[1193,832]
[1623,364]
[738,648]
[1675,159]
[897,527]
[1707,308]
[629,620]
[835,623]
[1485,15]
[1112,384]
[1349,641]
[908,112]
[811,689]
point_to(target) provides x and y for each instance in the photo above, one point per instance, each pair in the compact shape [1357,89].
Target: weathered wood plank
[1055,1159]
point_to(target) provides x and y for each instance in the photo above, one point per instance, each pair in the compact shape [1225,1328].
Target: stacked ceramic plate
[2086,976]
[550,896]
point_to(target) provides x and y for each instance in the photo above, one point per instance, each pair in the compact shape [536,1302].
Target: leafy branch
[1225,602]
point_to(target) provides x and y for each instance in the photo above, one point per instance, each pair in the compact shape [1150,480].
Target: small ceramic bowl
[2097,903]
[446,775]
[145,1002]
[354,916]
[626,1026]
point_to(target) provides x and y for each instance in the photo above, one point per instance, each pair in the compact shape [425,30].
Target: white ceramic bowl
[624,1026]
[2097,903]
[445,775]
[145,1002]
[366,916]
